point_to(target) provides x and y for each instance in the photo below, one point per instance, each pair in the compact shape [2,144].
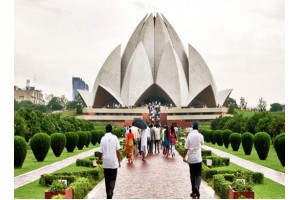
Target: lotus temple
[154,67]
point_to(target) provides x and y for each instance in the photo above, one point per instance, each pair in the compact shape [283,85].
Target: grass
[272,160]
[31,164]
[36,191]
[245,113]
[267,190]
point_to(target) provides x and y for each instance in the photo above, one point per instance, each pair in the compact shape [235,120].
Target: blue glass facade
[78,84]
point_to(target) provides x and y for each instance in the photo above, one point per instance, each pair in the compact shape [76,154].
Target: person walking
[110,154]
[156,138]
[193,146]
[167,141]
[172,140]
[130,146]
[144,136]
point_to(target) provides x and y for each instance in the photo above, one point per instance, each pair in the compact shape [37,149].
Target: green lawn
[272,160]
[30,162]
[245,113]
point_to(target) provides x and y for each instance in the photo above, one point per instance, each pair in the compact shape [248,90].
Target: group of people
[150,141]
[142,141]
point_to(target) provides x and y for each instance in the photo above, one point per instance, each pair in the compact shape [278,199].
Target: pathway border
[274,175]
[36,174]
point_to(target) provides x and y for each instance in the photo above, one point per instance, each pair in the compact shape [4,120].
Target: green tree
[20,126]
[229,101]
[231,108]
[276,107]
[55,104]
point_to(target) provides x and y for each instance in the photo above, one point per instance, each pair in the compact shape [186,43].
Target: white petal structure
[155,67]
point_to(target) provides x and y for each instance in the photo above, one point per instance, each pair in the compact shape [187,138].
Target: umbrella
[140,123]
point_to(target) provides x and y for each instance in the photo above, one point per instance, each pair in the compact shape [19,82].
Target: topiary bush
[211,136]
[95,136]
[58,143]
[20,151]
[279,145]
[88,140]
[218,137]
[72,141]
[262,142]
[82,137]
[235,141]
[225,137]
[247,142]
[40,145]
[205,134]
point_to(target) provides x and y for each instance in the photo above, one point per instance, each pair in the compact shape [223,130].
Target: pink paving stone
[156,178]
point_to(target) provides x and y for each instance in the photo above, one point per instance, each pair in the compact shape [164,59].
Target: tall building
[28,94]
[78,83]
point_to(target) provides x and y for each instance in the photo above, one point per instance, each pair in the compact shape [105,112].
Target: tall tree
[262,105]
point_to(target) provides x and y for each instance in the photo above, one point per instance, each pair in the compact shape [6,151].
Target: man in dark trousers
[110,153]
[193,146]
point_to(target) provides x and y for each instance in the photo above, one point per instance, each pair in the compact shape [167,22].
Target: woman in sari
[130,146]
[167,141]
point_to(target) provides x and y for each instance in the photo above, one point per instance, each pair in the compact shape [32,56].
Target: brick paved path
[156,178]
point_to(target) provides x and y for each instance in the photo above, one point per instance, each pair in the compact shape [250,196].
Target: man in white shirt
[193,146]
[110,153]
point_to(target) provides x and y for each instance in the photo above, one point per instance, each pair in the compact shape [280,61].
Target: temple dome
[155,66]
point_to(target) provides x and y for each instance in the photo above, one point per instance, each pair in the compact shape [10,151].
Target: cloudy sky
[242,42]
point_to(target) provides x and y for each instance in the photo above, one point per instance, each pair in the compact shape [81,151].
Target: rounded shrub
[72,141]
[58,143]
[247,142]
[279,145]
[20,151]
[95,136]
[262,141]
[218,137]
[117,132]
[89,137]
[225,137]
[40,145]
[235,141]
[82,137]
[204,132]
[211,136]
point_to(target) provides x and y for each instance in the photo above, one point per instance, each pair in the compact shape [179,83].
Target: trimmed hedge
[205,152]
[225,137]
[81,187]
[88,140]
[20,151]
[58,143]
[95,136]
[235,141]
[95,174]
[247,142]
[205,134]
[211,136]
[220,185]
[217,161]
[218,137]
[40,145]
[279,145]
[72,141]
[262,141]
[84,162]
[82,138]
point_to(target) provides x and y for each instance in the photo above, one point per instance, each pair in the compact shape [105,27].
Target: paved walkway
[156,178]
[36,174]
[276,176]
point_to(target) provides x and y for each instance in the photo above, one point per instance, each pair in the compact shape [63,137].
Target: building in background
[78,84]
[28,94]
